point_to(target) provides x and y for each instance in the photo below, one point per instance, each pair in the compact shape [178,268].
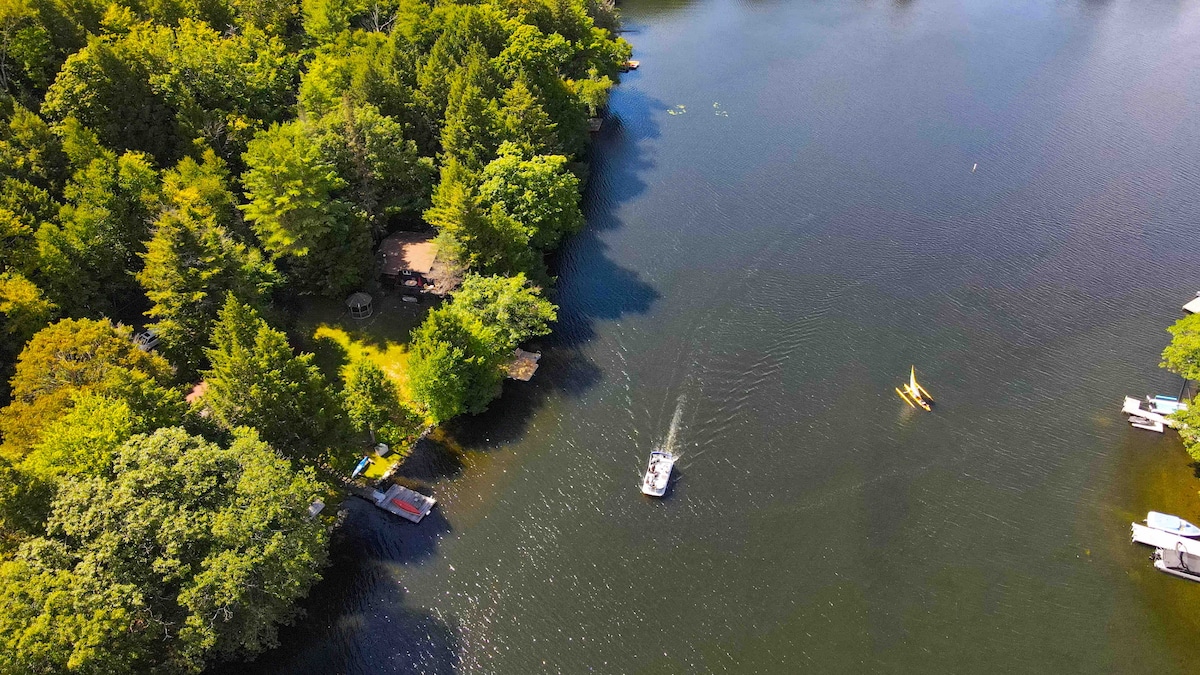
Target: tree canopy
[195,169]
[255,380]
[184,551]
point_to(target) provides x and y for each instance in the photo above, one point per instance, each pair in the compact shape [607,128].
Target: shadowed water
[783,217]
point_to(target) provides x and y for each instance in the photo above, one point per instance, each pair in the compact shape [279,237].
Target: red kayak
[406,506]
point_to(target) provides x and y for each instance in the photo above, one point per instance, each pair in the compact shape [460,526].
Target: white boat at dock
[1172,524]
[1179,563]
[1165,405]
[658,473]
[1147,418]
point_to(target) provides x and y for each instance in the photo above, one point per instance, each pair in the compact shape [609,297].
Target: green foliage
[86,257]
[387,178]
[186,551]
[192,263]
[83,441]
[81,355]
[369,396]
[292,206]
[525,123]
[539,193]
[24,310]
[107,87]
[459,352]
[27,58]
[1182,356]
[486,240]
[369,68]
[449,369]
[470,134]
[158,89]
[255,380]
[30,151]
[512,310]
[24,506]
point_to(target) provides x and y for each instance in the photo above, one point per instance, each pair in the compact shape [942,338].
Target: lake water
[791,203]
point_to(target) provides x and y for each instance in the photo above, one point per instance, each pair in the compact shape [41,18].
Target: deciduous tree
[187,551]
[80,355]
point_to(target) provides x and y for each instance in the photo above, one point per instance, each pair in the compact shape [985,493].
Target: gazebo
[359,305]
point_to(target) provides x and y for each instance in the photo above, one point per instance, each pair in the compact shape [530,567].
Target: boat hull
[658,474]
[1182,574]
[1172,524]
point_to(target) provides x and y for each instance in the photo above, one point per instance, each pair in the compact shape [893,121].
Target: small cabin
[409,263]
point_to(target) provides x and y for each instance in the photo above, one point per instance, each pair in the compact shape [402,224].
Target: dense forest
[200,168]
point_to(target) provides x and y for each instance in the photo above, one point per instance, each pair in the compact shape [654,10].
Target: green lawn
[338,340]
[379,465]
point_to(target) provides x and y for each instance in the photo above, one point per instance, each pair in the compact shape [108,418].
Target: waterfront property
[409,262]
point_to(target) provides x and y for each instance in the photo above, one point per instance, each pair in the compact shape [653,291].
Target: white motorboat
[1178,563]
[1165,405]
[1173,524]
[658,473]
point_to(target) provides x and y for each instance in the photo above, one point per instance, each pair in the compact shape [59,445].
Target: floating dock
[523,365]
[1140,534]
[403,502]
[1144,418]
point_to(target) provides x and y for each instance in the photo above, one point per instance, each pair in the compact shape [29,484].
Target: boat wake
[671,445]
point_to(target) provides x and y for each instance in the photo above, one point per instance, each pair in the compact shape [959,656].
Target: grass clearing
[337,340]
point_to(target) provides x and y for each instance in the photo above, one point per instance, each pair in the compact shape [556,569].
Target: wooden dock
[1140,534]
[403,502]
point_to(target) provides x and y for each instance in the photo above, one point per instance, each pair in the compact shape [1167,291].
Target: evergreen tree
[256,380]
[482,239]
[525,123]
[470,134]
[191,264]
[370,398]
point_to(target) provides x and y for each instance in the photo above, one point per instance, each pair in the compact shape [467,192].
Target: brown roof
[197,392]
[407,251]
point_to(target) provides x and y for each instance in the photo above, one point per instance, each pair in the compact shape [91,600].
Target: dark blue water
[783,216]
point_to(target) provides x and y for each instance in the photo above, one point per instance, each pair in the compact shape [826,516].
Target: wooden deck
[405,503]
[523,365]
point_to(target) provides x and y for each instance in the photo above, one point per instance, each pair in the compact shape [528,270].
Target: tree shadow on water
[357,619]
[592,286]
